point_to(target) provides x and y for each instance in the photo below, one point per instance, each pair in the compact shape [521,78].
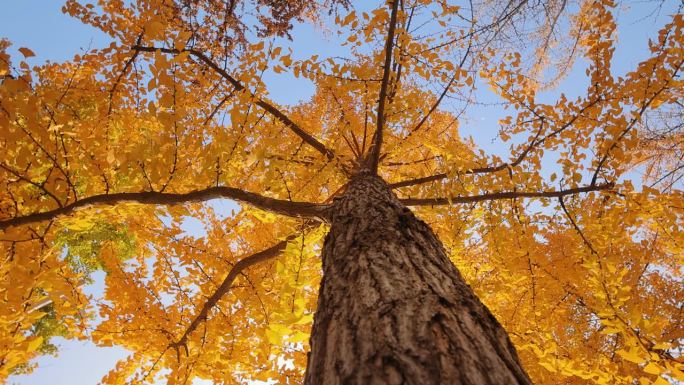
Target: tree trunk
[392,307]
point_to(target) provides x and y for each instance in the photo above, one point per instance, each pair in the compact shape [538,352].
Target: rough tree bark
[392,307]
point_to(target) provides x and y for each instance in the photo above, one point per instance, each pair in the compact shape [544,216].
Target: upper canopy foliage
[106,156]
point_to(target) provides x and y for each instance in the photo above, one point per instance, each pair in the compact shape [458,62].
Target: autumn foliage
[574,239]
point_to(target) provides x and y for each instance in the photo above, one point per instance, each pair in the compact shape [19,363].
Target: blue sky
[41,26]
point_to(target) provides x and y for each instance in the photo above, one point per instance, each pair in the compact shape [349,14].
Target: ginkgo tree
[326,274]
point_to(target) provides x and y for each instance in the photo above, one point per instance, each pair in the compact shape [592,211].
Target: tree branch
[444,92]
[294,209]
[633,122]
[376,142]
[40,186]
[574,225]
[421,180]
[241,265]
[536,141]
[503,195]
[123,73]
[472,171]
[223,289]
[271,109]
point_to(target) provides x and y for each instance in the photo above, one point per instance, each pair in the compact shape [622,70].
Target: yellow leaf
[79,224]
[181,57]
[305,319]
[154,29]
[275,333]
[258,46]
[632,355]
[299,336]
[26,52]
[653,368]
[548,366]
[34,344]
[181,40]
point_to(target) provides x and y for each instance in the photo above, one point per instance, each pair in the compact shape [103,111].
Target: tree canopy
[574,239]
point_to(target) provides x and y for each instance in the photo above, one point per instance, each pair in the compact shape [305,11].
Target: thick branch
[503,195]
[271,109]
[241,265]
[376,143]
[223,289]
[295,209]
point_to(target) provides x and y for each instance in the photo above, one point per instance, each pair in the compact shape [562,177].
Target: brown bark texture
[393,309]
